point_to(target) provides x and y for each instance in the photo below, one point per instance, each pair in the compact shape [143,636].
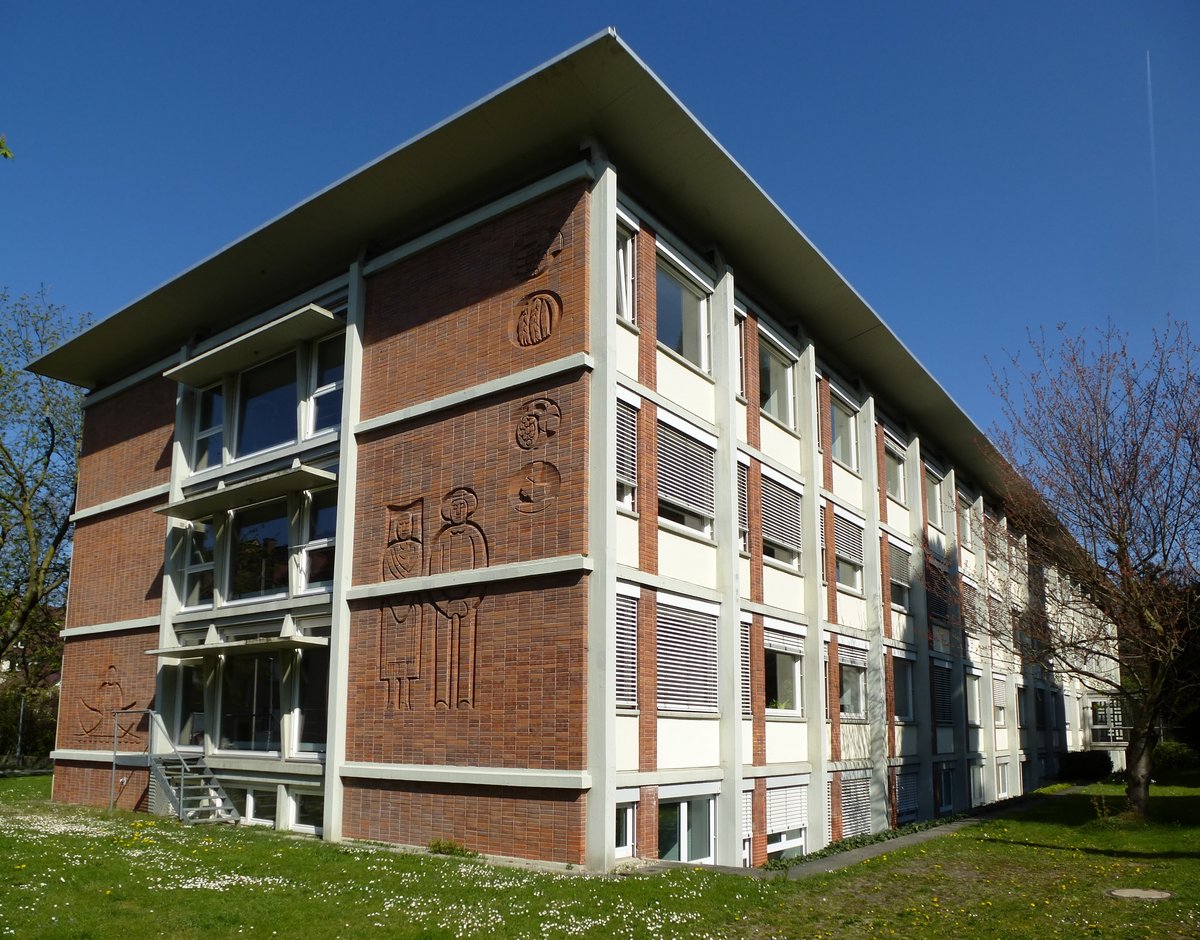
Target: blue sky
[973,169]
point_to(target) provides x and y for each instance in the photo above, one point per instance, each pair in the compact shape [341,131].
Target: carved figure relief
[534,252]
[534,487]
[460,545]
[109,698]
[538,424]
[537,317]
[400,630]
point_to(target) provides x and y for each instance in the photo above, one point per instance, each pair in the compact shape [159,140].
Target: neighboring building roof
[597,91]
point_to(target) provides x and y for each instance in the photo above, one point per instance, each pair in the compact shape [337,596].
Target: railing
[156,723]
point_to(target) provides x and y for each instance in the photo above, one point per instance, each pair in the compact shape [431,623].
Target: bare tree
[1103,480]
[39,446]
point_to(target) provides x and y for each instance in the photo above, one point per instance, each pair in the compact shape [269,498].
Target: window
[908,790]
[685,830]
[899,574]
[1107,723]
[744,656]
[198,564]
[192,721]
[682,313]
[208,444]
[623,841]
[977,783]
[685,480]
[251,702]
[258,557]
[787,821]
[255,804]
[626,682]
[1001,780]
[308,811]
[965,538]
[852,682]
[856,804]
[843,436]
[1039,709]
[1000,702]
[312,699]
[972,692]
[626,275]
[943,701]
[781,531]
[743,507]
[848,546]
[893,469]
[783,656]
[266,406]
[933,500]
[945,778]
[329,367]
[317,553]
[775,382]
[627,438]
[902,687]
[687,659]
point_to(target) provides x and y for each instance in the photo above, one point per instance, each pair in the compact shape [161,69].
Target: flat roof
[599,90]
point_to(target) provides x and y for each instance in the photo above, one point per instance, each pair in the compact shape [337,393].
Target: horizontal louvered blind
[627,616]
[999,692]
[787,809]
[627,443]
[745,651]
[900,564]
[687,660]
[685,472]
[907,795]
[943,711]
[781,515]
[851,656]
[743,499]
[856,807]
[848,539]
[748,814]
[970,601]
[783,642]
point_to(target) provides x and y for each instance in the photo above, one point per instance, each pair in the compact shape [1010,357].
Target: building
[542,488]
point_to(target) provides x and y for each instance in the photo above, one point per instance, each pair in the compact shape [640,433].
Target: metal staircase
[182,781]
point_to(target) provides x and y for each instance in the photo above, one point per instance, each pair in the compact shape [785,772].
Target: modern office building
[540,487]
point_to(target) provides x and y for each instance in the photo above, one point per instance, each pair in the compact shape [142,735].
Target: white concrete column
[918,603]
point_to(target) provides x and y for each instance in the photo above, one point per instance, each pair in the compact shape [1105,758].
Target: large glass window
[893,464]
[845,442]
[784,677]
[266,406]
[853,690]
[682,317]
[685,830]
[198,564]
[192,724]
[320,524]
[328,375]
[774,381]
[626,275]
[933,500]
[902,687]
[312,699]
[258,557]
[251,690]
[210,422]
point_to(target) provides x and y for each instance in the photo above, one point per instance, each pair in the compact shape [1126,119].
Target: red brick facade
[101,673]
[90,785]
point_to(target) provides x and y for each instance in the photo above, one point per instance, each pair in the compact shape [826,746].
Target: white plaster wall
[688,742]
[904,627]
[748,743]
[974,739]
[627,350]
[898,517]
[686,559]
[744,576]
[976,648]
[856,740]
[787,741]
[851,610]
[937,541]
[627,541]
[780,445]
[782,588]
[847,486]
[945,740]
[1002,739]
[627,742]
[739,420]
[688,389]
[908,740]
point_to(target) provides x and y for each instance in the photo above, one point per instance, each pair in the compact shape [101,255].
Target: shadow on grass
[1079,809]
[1131,854]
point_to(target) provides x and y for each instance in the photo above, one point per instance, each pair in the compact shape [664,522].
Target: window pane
[198,588]
[699,829]
[265,801]
[211,409]
[322,515]
[250,703]
[327,410]
[680,312]
[267,406]
[843,435]
[933,500]
[191,706]
[314,684]
[774,382]
[200,543]
[331,358]
[622,834]
[310,809]
[781,680]
[852,690]
[900,595]
[668,831]
[259,556]
[894,466]
[319,565]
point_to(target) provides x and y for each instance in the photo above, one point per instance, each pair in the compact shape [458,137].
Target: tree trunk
[1138,763]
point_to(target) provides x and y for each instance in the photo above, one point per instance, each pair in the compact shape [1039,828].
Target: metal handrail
[155,720]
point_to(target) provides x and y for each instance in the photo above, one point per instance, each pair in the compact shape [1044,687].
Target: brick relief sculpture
[98,713]
[460,545]
[534,487]
[400,632]
[539,423]
[534,252]
[537,316]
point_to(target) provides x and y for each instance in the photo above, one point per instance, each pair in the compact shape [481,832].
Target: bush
[450,847]
[1175,755]
[37,731]
[1084,766]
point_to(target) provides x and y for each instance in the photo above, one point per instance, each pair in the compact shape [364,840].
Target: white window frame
[848,535]
[689,486]
[188,570]
[626,829]
[200,435]
[313,544]
[317,392]
[626,272]
[685,823]
[933,498]
[903,704]
[293,798]
[849,437]
[769,347]
[788,650]
[674,267]
[1001,779]
[893,454]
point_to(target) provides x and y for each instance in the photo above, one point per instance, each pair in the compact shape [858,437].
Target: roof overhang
[597,93]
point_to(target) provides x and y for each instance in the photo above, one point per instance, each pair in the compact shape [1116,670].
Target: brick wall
[102,673]
[117,567]
[525,823]
[91,785]
[505,296]
[126,443]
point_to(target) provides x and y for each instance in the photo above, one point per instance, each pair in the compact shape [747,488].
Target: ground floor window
[1001,781]
[945,774]
[251,702]
[787,821]
[312,699]
[907,797]
[190,720]
[257,804]
[623,843]
[308,811]
[856,804]
[685,830]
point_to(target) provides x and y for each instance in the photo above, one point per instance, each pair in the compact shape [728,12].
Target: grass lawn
[71,872]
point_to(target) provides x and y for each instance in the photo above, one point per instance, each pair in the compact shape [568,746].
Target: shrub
[1175,755]
[450,847]
[1084,766]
